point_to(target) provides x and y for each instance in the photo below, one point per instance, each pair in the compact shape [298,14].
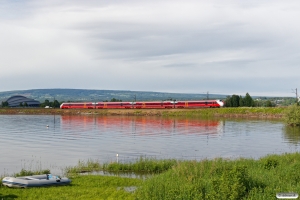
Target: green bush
[292,116]
[218,179]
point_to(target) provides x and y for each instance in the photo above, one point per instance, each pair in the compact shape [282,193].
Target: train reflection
[144,126]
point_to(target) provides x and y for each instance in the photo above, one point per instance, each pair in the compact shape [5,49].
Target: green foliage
[143,164]
[216,179]
[82,166]
[25,172]
[270,163]
[4,104]
[269,104]
[114,100]
[248,101]
[239,101]
[87,187]
[226,179]
[207,179]
[292,116]
[54,104]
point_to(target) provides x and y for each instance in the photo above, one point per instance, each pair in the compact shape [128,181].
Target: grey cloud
[222,47]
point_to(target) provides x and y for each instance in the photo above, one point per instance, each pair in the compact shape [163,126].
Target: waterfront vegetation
[292,116]
[206,179]
[140,165]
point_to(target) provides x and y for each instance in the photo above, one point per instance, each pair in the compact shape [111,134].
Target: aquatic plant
[25,172]
[140,165]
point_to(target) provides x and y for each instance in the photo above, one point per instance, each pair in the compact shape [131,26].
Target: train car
[144,104]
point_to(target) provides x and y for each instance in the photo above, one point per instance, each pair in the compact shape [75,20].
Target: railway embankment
[241,112]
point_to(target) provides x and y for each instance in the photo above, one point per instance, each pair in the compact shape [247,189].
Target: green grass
[207,179]
[82,187]
[226,179]
[140,165]
[219,112]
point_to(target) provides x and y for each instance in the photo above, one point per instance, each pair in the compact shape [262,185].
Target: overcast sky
[191,46]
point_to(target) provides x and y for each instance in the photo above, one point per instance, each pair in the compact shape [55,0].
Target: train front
[220,102]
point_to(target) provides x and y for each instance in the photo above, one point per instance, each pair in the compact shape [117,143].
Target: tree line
[247,101]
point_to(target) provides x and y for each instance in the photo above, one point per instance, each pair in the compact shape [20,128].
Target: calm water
[26,141]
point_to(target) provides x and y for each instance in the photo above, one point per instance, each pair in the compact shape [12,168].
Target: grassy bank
[207,179]
[243,112]
[226,179]
[82,188]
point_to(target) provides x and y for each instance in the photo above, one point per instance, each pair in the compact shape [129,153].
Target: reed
[140,165]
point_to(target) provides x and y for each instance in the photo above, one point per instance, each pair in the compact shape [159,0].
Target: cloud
[171,46]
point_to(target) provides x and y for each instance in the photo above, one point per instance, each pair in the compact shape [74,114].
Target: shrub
[292,116]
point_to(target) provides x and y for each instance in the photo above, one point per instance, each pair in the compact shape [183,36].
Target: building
[16,100]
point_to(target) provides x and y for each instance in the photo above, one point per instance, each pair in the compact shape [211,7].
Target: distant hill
[102,95]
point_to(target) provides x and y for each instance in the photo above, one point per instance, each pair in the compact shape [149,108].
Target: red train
[145,104]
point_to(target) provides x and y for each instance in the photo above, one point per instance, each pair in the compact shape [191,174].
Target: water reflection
[292,134]
[145,126]
[73,138]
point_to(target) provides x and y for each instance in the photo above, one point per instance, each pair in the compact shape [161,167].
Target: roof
[15,101]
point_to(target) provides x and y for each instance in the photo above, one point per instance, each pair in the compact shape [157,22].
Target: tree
[21,104]
[228,102]
[269,103]
[47,103]
[235,100]
[241,102]
[4,104]
[25,104]
[56,104]
[248,101]
[115,100]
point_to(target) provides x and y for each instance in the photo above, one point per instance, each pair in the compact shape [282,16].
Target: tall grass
[140,165]
[226,179]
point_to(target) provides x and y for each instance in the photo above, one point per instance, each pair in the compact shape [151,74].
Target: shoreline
[241,112]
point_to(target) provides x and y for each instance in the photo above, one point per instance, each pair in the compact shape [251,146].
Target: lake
[54,142]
